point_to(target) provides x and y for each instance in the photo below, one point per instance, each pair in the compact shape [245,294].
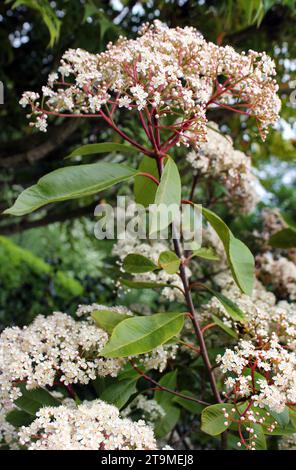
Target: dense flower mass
[217,159]
[90,426]
[280,272]
[276,387]
[56,348]
[163,71]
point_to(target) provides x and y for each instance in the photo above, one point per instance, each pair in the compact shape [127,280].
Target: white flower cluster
[217,159]
[280,272]
[92,425]
[276,388]
[164,69]
[84,310]
[151,250]
[263,314]
[150,410]
[55,348]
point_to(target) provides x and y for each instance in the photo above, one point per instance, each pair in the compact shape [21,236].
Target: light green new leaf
[138,335]
[70,183]
[145,188]
[134,263]
[212,419]
[107,320]
[240,258]
[103,147]
[168,196]
[206,253]
[169,261]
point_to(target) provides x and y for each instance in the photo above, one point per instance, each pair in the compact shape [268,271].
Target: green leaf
[225,328]
[231,308]
[139,335]
[191,406]
[282,418]
[120,392]
[240,258]
[168,380]
[285,238]
[260,441]
[168,195]
[70,183]
[19,418]
[165,400]
[134,263]
[146,284]
[145,188]
[212,419]
[206,253]
[169,261]
[104,147]
[32,400]
[167,422]
[107,319]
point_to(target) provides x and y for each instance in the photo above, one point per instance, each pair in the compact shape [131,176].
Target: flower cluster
[276,385]
[92,425]
[217,159]
[163,71]
[55,348]
[149,409]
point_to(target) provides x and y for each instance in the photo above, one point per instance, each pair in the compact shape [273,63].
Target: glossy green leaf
[169,261]
[282,418]
[32,400]
[224,327]
[138,335]
[134,263]
[206,253]
[168,195]
[260,441]
[240,258]
[104,147]
[120,392]
[145,188]
[107,319]
[213,420]
[19,418]
[70,183]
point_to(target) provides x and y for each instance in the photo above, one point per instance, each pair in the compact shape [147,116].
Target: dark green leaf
[120,392]
[212,419]
[225,328]
[19,418]
[32,400]
[285,238]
